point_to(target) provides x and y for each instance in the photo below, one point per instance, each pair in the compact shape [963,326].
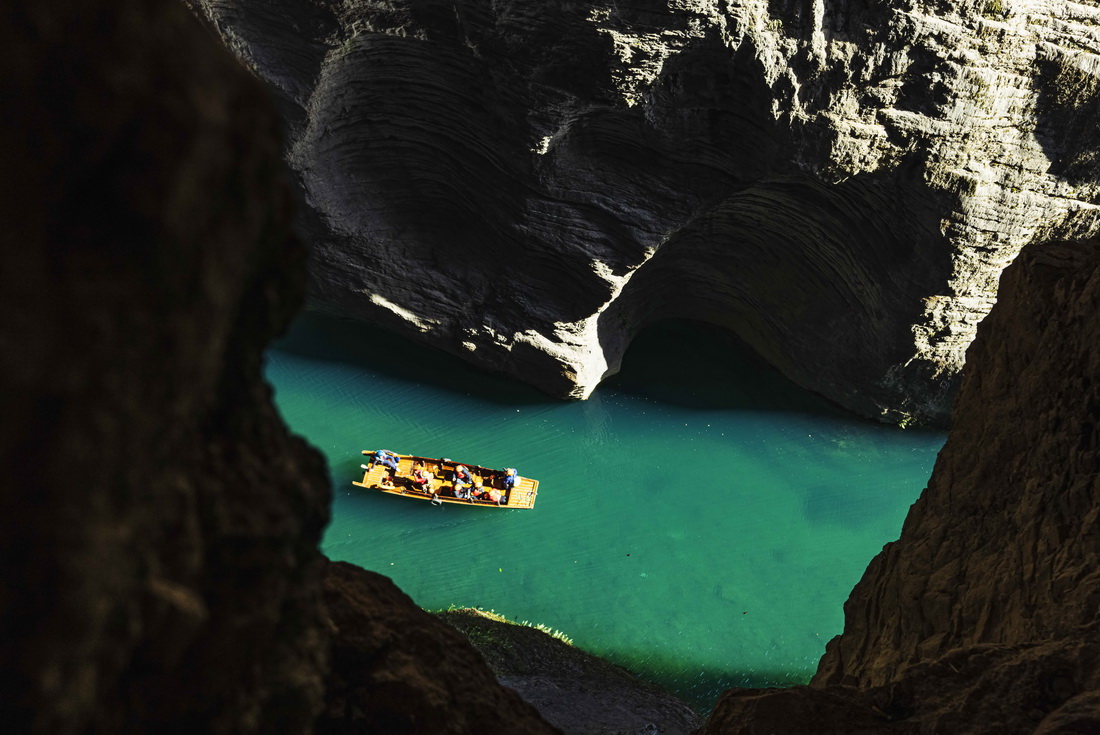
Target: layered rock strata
[159,525]
[840,183]
[984,617]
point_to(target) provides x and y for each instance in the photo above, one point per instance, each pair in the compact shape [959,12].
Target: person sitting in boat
[462,481]
[386,481]
[496,495]
[421,478]
[387,458]
[510,477]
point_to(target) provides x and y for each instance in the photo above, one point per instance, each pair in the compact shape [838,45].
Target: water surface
[700,519]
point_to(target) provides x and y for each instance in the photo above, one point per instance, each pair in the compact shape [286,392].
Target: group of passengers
[466,485]
[420,477]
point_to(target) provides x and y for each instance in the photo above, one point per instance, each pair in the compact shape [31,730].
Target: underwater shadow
[699,685]
[696,365]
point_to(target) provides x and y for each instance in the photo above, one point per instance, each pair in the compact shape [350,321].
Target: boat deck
[441,488]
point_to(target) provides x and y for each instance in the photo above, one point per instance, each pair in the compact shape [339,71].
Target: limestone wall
[840,183]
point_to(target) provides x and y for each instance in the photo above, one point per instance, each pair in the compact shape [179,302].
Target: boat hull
[441,487]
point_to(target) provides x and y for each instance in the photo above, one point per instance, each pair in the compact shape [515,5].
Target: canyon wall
[984,617]
[839,182]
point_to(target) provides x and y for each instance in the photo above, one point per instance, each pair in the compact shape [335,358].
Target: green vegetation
[1071,87]
[512,648]
[520,648]
[493,615]
[995,9]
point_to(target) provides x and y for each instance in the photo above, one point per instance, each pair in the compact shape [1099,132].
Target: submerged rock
[576,691]
[528,186]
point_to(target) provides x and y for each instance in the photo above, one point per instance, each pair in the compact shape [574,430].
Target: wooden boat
[440,486]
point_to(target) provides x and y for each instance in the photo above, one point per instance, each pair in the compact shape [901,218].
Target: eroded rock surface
[529,185]
[983,616]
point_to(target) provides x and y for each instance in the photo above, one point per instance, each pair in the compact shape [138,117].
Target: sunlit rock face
[528,185]
[983,616]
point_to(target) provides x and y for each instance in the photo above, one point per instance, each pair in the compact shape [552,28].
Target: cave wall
[984,617]
[840,183]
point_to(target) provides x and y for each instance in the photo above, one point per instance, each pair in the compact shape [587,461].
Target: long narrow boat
[440,487]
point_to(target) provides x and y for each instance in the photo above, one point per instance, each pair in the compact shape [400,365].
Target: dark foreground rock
[159,568]
[983,616]
[529,185]
[397,669]
[159,525]
[580,693]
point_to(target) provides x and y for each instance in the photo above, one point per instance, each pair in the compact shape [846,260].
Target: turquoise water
[700,519]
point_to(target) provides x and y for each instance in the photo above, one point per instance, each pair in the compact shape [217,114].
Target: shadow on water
[335,340]
[700,686]
[681,363]
[700,366]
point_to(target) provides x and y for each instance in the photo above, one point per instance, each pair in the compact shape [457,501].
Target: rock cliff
[839,182]
[576,691]
[159,525]
[984,617]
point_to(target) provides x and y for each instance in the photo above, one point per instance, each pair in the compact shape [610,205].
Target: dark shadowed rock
[159,526]
[1001,548]
[530,185]
[398,669]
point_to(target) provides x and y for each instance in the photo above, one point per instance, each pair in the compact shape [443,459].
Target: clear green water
[700,520]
